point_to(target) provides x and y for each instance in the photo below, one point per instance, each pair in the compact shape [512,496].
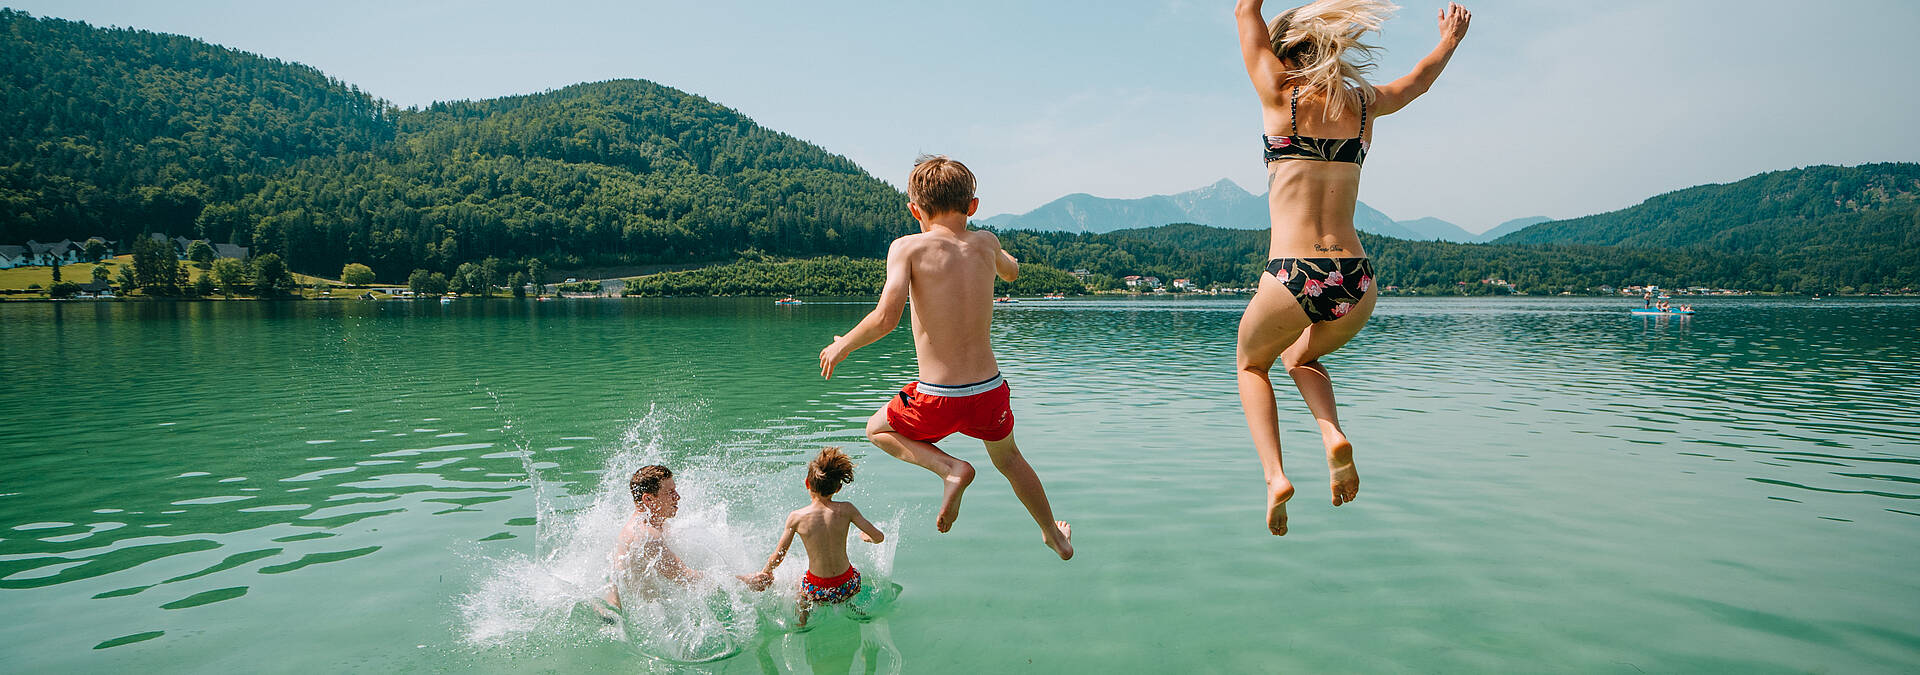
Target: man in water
[643,539]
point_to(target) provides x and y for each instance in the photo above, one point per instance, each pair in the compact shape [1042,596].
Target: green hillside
[1838,227]
[118,132]
[115,131]
[606,173]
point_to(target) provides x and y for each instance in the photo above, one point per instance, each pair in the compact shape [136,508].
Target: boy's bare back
[950,281]
[822,529]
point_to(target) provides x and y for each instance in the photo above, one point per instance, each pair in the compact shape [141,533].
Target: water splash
[727,524]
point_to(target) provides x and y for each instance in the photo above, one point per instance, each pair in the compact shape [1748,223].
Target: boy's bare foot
[1062,540]
[1345,479]
[1277,496]
[957,481]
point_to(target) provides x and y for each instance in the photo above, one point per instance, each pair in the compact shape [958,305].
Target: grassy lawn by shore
[20,279]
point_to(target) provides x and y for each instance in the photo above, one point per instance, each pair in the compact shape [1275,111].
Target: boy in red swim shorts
[948,272]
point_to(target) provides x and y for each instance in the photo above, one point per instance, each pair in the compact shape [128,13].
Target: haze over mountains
[1222,204]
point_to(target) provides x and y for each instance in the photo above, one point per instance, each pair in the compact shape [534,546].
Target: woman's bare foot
[1277,495]
[958,478]
[1344,478]
[1061,541]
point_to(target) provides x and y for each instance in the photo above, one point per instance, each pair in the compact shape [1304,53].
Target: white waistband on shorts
[961,390]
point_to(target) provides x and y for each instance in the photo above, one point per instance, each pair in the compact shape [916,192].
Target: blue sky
[1550,108]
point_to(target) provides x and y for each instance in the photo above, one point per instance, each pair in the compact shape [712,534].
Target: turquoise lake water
[1548,484]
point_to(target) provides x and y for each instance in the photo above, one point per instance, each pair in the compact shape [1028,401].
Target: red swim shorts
[930,412]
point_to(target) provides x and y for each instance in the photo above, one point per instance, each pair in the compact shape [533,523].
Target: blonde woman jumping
[1307,66]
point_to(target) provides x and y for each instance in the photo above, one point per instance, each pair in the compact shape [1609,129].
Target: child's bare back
[950,281]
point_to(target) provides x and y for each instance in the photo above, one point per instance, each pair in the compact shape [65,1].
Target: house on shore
[12,256]
[64,252]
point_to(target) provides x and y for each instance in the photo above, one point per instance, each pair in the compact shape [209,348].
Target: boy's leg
[955,473]
[1026,485]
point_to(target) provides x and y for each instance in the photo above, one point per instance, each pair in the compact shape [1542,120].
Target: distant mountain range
[1223,204]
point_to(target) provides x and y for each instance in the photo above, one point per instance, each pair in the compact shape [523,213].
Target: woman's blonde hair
[1315,40]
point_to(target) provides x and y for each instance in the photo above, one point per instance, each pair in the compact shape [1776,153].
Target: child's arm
[884,317]
[1004,264]
[868,533]
[780,551]
[1397,94]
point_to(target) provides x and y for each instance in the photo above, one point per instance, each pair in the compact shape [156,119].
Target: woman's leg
[1272,322]
[1302,361]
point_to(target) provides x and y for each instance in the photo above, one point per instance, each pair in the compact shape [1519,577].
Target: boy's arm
[868,533]
[1004,264]
[885,315]
[1397,94]
[780,551]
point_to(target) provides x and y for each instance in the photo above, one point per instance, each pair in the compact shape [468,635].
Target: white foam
[727,524]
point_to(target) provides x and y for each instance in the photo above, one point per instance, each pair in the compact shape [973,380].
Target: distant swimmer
[822,526]
[642,557]
[948,271]
[1319,286]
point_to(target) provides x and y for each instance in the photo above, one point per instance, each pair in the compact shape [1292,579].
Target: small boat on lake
[1004,300]
[787,301]
[1054,296]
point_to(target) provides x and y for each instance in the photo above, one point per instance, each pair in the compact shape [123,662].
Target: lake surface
[1547,485]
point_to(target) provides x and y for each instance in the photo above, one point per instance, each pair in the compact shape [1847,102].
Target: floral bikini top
[1296,146]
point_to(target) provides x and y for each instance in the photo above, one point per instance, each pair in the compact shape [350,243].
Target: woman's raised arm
[1397,94]
[1256,47]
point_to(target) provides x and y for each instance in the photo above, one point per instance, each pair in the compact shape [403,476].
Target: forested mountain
[603,173]
[1768,212]
[1210,256]
[117,132]
[1853,227]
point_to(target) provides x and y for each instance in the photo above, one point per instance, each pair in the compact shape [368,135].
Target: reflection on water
[1735,490]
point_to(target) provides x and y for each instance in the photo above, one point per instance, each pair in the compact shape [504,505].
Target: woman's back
[1312,199]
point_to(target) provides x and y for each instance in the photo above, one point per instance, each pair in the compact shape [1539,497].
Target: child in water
[822,526]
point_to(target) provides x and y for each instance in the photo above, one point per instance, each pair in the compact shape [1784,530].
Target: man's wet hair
[647,480]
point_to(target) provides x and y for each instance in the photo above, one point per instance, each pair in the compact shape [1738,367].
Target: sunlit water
[1547,484]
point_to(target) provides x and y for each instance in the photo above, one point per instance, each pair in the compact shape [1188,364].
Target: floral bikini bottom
[1327,288]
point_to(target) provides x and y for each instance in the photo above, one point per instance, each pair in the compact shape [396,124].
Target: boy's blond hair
[940,185]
